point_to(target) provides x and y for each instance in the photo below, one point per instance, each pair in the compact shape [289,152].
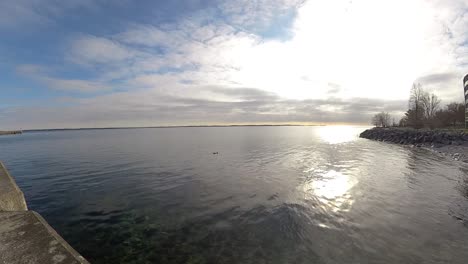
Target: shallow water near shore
[270,195]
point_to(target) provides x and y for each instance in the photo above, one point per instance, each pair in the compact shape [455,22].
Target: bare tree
[382,119]
[430,103]
[403,121]
[385,119]
[375,120]
[456,113]
[415,103]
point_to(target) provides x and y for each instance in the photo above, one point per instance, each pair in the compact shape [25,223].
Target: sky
[120,63]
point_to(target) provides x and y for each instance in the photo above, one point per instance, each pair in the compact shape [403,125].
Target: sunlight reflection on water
[337,134]
[331,188]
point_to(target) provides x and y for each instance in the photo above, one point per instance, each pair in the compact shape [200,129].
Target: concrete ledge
[25,237]
[11,197]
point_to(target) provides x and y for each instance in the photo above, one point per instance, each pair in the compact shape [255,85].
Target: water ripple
[271,195]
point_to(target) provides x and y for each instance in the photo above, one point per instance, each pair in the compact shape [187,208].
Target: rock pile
[421,137]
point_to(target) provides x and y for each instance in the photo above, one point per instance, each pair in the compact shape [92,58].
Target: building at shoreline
[465,86]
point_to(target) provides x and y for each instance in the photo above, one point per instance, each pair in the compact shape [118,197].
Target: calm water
[271,195]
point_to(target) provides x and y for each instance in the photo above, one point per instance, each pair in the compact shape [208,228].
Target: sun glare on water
[333,185]
[337,134]
[332,189]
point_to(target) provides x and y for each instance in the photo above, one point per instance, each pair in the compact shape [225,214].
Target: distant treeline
[425,110]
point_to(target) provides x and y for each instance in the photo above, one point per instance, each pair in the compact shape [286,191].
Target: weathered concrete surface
[26,238]
[11,197]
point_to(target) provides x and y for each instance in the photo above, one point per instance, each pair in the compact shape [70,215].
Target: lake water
[271,195]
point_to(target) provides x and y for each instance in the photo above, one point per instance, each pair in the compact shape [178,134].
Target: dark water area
[270,195]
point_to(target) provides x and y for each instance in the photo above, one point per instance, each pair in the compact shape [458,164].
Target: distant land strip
[10,132]
[182,126]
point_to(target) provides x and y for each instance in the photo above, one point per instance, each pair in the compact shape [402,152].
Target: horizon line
[178,126]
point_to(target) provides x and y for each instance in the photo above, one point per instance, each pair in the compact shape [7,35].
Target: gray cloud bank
[248,106]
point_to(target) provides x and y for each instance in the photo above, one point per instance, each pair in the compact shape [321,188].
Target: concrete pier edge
[11,196]
[25,236]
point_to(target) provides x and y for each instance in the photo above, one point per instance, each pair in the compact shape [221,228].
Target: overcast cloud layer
[117,63]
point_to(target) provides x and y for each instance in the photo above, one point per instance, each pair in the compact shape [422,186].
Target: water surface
[271,195]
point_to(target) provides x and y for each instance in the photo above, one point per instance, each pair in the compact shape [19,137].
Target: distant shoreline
[12,132]
[194,126]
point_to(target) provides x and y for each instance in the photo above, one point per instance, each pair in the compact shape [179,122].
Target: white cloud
[91,50]
[256,13]
[43,75]
[360,46]
[76,85]
[27,13]
[150,36]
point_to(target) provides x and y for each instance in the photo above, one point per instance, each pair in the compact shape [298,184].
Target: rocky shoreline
[453,143]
